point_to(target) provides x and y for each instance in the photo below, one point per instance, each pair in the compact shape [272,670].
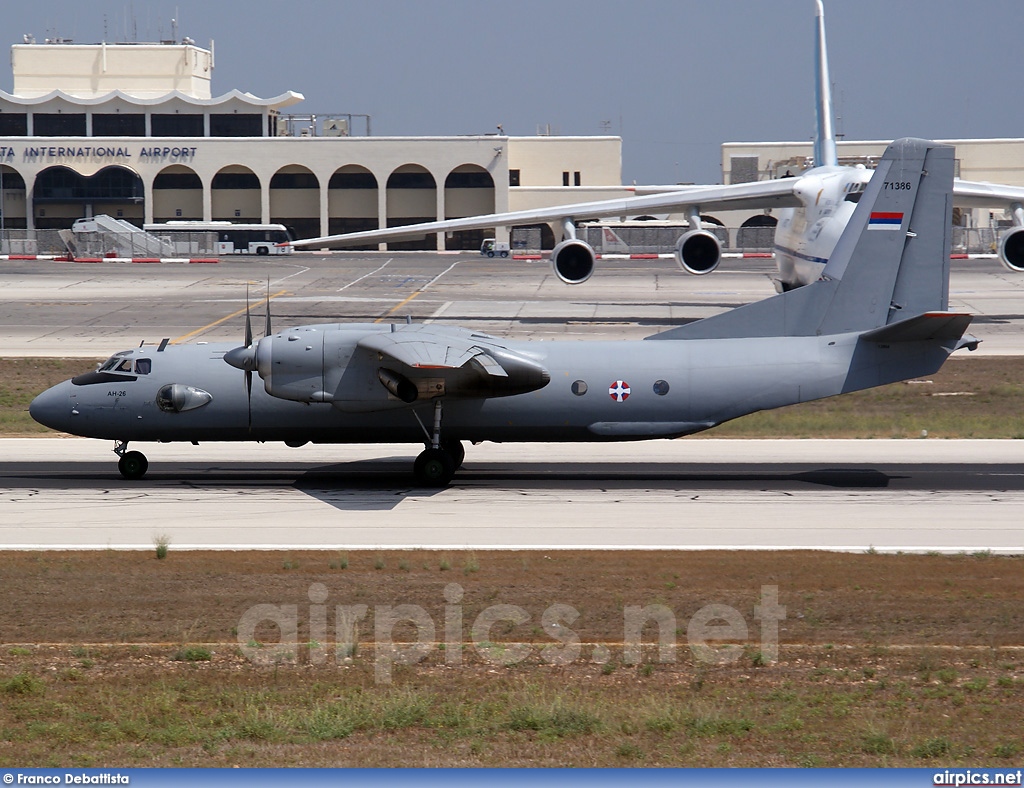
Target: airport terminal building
[133,131]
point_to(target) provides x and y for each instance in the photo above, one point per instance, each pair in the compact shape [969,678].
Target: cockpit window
[126,365]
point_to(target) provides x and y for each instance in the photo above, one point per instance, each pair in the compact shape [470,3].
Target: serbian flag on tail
[882,220]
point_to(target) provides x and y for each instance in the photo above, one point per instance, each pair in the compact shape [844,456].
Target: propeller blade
[266,331]
[248,394]
[248,319]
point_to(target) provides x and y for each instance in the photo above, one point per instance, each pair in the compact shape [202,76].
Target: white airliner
[813,209]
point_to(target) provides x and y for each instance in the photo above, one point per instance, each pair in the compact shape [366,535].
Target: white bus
[259,239]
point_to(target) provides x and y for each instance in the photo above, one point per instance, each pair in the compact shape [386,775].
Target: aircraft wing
[468,363]
[980,194]
[761,194]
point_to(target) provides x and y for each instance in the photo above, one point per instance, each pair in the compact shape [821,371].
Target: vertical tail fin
[824,134]
[891,263]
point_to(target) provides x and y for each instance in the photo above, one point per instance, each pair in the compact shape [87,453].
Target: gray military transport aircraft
[877,315]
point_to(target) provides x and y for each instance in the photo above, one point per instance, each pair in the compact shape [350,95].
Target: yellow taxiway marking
[395,308]
[423,289]
[224,319]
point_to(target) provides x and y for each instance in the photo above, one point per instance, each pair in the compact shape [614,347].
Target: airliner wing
[979,194]
[762,194]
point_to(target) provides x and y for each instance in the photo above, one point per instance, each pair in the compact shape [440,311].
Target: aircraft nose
[52,408]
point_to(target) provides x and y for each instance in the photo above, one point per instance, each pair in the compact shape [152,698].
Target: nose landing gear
[132,464]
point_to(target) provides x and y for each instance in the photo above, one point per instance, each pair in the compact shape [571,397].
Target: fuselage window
[143,366]
[579,388]
[124,366]
[661,387]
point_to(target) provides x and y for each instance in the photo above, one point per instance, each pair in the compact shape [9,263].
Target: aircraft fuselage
[806,236]
[597,391]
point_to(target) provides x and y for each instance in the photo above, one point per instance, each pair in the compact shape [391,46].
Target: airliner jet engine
[698,252]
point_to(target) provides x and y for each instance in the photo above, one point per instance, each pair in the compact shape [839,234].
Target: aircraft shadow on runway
[382,484]
[340,485]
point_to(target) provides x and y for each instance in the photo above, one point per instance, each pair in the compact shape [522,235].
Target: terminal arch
[177,195]
[62,195]
[295,200]
[13,206]
[757,232]
[235,195]
[352,200]
[468,191]
[411,199]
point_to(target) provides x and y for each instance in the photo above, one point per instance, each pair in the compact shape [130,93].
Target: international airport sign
[68,151]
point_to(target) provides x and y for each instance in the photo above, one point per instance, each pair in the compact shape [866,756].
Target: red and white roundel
[619,391]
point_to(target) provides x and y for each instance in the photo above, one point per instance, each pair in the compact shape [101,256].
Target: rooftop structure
[90,71]
[135,131]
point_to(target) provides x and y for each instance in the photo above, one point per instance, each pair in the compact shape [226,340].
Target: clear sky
[674,78]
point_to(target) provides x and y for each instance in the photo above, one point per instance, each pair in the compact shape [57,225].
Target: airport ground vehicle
[491,248]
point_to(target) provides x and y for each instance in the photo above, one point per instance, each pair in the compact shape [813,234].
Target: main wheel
[133,465]
[456,451]
[434,468]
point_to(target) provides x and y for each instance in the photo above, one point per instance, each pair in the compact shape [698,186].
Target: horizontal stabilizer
[931,326]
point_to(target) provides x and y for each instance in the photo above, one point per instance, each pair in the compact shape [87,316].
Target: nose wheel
[131,464]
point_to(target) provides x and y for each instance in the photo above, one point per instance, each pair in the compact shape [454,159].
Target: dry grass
[884,660]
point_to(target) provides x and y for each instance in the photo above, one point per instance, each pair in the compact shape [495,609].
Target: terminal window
[118,125]
[176,125]
[236,126]
[48,124]
[13,124]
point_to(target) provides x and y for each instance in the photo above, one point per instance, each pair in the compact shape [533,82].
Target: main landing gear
[436,465]
[131,464]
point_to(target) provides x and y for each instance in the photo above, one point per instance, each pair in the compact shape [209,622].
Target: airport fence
[662,239]
[631,240]
[107,244]
[31,242]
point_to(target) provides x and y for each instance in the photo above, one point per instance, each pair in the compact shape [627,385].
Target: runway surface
[922,495]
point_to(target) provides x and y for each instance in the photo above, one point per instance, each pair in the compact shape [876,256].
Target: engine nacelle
[698,252]
[1011,249]
[573,261]
[291,364]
